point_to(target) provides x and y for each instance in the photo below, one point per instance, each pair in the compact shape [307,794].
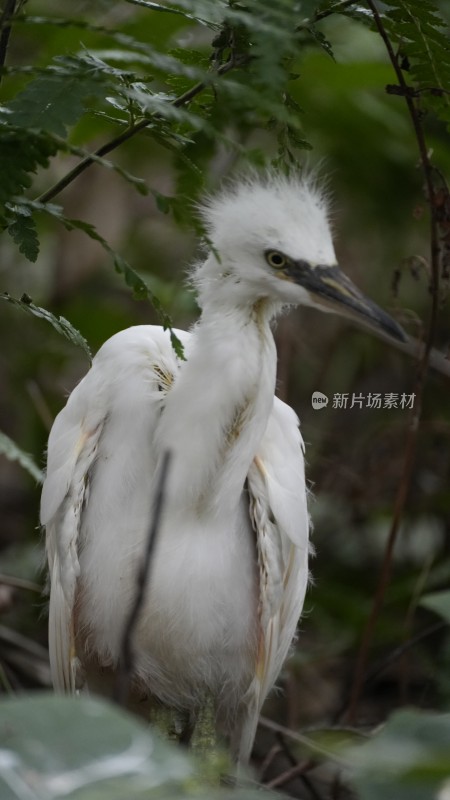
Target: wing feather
[123,386]
[278,509]
[64,496]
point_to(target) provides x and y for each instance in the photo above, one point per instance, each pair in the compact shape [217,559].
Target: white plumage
[231,567]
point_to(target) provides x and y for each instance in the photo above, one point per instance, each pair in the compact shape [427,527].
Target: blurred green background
[363,142]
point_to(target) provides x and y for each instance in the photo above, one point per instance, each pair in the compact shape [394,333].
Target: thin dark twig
[281,739]
[129,132]
[20,583]
[412,433]
[126,662]
[392,657]
[297,771]
[300,738]
[5,29]
[400,651]
[274,751]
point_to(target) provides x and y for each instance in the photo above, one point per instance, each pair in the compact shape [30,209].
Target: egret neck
[225,389]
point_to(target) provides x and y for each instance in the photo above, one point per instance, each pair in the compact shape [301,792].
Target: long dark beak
[330,289]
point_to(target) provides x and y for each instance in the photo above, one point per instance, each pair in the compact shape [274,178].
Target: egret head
[271,238]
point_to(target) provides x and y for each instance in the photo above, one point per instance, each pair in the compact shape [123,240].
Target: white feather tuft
[251,215]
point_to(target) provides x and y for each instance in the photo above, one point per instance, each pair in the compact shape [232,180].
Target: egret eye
[275,259]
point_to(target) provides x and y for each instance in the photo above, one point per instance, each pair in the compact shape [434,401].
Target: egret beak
[331,290]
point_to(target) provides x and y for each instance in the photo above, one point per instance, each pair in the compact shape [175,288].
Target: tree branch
[336,9]
[414,422]
[305,741]
[5,29]
[131,131]
[126,663]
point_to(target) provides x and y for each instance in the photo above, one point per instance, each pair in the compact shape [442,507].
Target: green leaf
[321,40]
[60,324]
[168,9]
[140,289]
[83,748]
[163,202]
[132,48]
[21,153]
[439,602]
[13,452]
[56,99]
[417,27]
[162,105]
[23,231]
[407,760]
[176,344]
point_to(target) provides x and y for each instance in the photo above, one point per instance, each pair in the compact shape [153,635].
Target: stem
[128,133]
[88,160]
[305,741]
[20,583]
[336,9]
[413,428]
[400,651]
[126,664]
[5,28]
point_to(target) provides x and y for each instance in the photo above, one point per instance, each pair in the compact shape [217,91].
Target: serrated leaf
[56,98]
[140,289]
[163,202]
[168,9]
[13,452]
[321,40]
[21,153]
[163,106]
[134,47]
[192,11]
[60,324]
[418,29]
[23,232]
[177,345]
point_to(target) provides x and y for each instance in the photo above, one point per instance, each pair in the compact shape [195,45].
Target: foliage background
[293,92]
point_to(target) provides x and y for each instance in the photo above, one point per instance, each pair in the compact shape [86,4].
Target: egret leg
[177,726]
[204,735]
[214,761]
[197,729]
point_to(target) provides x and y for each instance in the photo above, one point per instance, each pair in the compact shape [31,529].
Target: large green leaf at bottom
[83,748]
[52,746]
[409,759]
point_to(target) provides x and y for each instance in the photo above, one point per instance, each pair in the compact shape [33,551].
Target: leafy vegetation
[60,324]
[114,119]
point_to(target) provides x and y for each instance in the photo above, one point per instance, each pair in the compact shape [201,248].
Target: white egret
[230,569]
